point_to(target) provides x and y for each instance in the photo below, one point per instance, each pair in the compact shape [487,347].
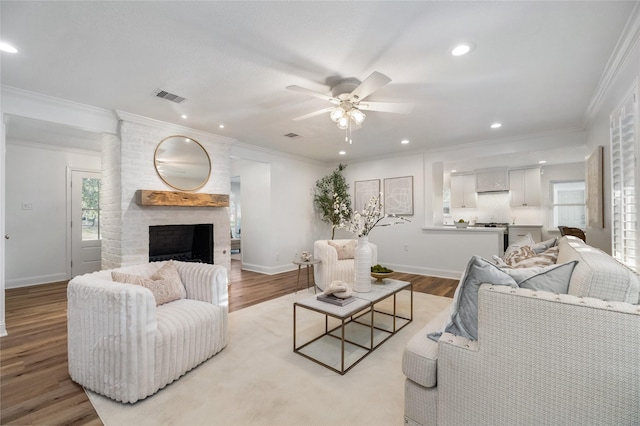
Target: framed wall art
[363,191]
[398,196]
[594,201]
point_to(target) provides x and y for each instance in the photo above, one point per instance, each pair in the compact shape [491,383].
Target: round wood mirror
[182,163]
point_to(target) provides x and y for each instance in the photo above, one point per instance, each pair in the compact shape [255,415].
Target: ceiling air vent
[292,135]
[170,96]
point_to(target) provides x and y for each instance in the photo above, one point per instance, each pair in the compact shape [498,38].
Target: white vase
[362,281]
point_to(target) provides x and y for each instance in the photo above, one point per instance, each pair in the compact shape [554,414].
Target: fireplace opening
[187,243]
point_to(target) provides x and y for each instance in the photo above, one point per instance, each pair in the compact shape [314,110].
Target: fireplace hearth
[187,243]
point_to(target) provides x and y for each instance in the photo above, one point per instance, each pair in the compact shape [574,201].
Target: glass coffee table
[358,328]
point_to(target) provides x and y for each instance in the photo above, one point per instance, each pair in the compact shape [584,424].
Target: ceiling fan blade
[398,108]
[313,114]
[372,83]
[314,93]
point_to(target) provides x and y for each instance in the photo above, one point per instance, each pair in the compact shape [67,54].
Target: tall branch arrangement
[326,190]
[362,223]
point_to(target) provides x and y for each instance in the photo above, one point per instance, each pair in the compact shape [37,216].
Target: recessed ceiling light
[184,116]
[453,171]
[221,126]
[342,153]
[462,49]
[404,141]
[496,125]
[542,161]
[5,47]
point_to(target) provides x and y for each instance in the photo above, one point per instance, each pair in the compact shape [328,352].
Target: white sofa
[123,346]
[331,268]
[540,358]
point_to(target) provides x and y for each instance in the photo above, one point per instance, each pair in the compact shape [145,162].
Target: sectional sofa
[539,358]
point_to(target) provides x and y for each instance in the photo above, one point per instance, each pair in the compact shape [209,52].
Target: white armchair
[123,346]
[330,268]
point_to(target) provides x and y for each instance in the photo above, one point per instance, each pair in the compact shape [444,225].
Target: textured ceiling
[535,68]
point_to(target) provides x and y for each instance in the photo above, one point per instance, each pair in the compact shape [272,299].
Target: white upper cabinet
[463,191]
[524,187]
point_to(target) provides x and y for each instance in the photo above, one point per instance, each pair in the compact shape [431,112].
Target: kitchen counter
[467,229]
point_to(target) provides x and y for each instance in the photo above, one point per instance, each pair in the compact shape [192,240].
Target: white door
[86,252]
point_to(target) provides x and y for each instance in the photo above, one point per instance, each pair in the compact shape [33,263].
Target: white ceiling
[535,68]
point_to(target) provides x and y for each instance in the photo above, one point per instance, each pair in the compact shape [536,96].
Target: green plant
[326,191]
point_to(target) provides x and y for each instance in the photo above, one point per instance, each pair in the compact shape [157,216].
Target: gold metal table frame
[360,313]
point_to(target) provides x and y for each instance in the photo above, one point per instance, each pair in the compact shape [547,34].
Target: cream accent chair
[330,268]
[123,346]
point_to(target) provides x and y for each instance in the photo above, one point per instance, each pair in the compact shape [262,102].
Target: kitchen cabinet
[524,187]
[463,191]
[516,232]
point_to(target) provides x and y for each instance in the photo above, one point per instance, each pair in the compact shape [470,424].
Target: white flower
[362,223]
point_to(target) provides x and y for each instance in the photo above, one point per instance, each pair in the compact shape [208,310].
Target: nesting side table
[309,264]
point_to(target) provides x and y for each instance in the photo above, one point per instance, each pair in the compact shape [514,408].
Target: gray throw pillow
[554,278]
[464,310]
[545,245]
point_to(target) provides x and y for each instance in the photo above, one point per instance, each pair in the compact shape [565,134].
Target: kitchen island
[455,246]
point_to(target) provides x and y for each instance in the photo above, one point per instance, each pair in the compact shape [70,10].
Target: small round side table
[309,264]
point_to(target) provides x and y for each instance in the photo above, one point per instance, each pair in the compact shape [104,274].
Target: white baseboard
[41,279]
[3,329]
[268,270]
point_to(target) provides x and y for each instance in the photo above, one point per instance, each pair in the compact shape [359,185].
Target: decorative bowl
[379,276]
[461,224]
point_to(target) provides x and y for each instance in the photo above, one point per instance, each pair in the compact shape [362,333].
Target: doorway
[235,218]
[86,238]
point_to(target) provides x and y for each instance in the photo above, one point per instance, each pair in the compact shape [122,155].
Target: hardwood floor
[35,387]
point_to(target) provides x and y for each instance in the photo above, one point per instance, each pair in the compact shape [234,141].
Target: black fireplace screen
[188,243]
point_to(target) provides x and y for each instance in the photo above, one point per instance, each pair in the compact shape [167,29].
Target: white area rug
[258,379]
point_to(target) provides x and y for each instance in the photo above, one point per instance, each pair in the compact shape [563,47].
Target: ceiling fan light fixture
[357,116]
[343,123]
[337,114]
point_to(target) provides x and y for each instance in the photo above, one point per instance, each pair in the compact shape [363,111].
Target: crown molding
[624,48]
[172,128]
[51,147]
[34,105]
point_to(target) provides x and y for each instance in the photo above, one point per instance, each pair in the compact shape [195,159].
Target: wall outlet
[406,247]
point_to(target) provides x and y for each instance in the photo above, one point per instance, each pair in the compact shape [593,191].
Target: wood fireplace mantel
[146,197]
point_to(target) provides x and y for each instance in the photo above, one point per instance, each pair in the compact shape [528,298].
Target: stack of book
[335,300]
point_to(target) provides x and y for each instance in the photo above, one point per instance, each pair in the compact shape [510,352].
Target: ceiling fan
[347,96]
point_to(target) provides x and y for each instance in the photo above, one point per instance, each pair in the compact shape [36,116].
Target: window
[90,209]
[567,200]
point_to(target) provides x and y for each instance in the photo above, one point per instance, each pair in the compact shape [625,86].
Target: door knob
[6,237]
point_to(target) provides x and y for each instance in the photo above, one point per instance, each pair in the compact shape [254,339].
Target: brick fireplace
[127,166]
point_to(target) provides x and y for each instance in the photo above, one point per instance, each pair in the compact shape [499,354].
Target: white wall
[391,240]
[278,217]
[3,325]
[37,249]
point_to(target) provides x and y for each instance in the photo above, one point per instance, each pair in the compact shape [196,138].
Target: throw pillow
[464,309]
[554,278]
[545,245]
[345,250]
[546,258]
[164,290]
[519,255]
[169,271]
[527,240]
